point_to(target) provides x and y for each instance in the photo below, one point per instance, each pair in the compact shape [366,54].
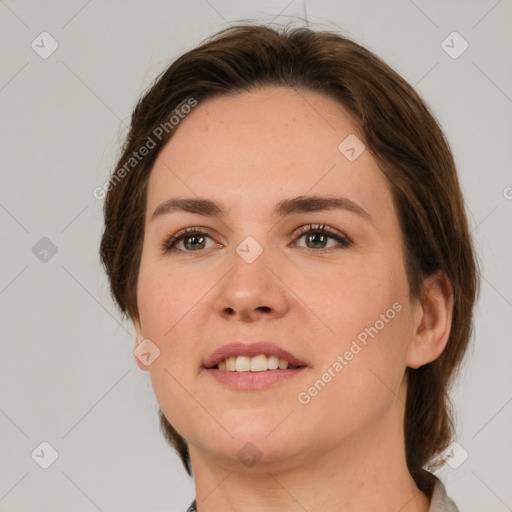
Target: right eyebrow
[200,206]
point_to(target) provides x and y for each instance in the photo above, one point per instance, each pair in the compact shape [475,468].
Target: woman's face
[334,297]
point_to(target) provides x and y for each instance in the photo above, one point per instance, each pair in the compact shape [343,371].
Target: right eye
[192,240]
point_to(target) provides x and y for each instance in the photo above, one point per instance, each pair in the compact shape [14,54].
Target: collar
[440,501]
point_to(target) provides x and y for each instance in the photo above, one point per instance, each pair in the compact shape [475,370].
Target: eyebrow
[301,204]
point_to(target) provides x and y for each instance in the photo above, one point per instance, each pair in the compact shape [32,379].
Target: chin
[257,456]
[258,425]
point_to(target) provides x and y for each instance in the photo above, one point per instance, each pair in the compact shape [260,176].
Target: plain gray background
[68,373]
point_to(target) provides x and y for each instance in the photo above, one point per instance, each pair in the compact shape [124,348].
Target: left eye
[317,236]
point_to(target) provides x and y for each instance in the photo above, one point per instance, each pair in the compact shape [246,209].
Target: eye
[191,240]
[317,238]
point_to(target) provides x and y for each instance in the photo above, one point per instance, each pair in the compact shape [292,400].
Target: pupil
[194,237]
[316,236]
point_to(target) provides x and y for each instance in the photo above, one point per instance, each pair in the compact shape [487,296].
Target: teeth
[259,363]
[273,362]
[243,364]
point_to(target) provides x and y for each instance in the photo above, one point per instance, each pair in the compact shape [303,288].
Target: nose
[252,292]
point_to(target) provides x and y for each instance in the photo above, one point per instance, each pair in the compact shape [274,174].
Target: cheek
[166,306]
[367,313]
[166,309]
[352,295]
[166,297]
[358,382]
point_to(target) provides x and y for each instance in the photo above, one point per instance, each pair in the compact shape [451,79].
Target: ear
[138,338]
[432,315]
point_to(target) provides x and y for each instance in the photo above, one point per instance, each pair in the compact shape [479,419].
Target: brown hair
[401,134]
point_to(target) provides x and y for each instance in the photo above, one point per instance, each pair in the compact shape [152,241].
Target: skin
[344,450]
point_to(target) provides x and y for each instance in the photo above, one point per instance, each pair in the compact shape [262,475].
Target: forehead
[255,148]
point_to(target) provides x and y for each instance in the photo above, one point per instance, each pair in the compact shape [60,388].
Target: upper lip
[250,350]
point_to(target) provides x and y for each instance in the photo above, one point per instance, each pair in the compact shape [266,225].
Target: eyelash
[169,243]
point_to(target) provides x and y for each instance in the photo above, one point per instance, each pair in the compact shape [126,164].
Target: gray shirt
[439,502]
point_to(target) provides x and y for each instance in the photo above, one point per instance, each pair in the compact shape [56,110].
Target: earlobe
[433,320]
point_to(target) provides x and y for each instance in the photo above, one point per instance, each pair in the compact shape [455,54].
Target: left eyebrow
[286,207]
[304,204]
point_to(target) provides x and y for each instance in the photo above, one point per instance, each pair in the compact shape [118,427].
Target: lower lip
[253,381]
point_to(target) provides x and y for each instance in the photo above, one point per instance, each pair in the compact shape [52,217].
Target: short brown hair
[402,135]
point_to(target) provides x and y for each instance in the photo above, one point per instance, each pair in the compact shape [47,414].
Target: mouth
[254,357]
[256,364]
[252,367]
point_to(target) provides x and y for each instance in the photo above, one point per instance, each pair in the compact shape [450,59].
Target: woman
[286,230]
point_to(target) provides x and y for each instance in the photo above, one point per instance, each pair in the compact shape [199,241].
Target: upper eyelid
[317,227]
[300,230]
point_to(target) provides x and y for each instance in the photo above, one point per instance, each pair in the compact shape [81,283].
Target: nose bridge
[251,290]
